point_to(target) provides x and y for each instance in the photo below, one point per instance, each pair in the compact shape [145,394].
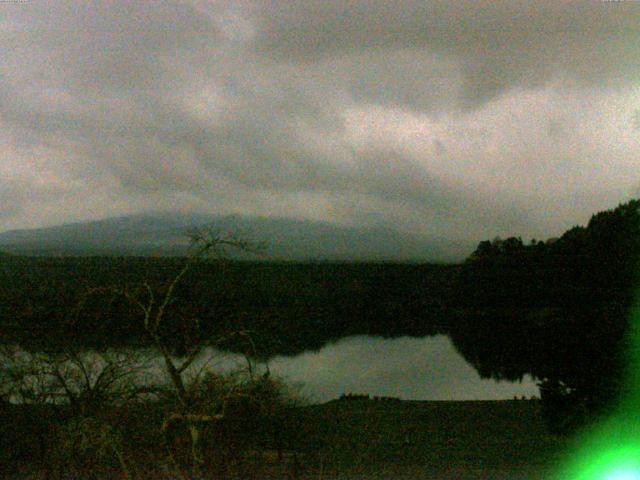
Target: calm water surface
[410,368]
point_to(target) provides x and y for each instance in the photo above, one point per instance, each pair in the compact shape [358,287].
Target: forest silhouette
[556,310]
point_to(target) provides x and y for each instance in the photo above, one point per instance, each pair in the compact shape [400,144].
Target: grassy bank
[415,439]
[371,439]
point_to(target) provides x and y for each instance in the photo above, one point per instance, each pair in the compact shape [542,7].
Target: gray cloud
[635,121]
[466,119]
[497,44]
[9,200]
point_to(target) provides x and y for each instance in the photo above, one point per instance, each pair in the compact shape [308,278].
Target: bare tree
[204,245]
[82,389]
[86,388]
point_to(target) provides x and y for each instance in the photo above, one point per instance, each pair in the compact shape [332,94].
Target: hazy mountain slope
[164,234]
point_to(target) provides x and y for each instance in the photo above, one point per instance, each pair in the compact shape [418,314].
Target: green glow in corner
[623,474]
[608,464]
[610,450]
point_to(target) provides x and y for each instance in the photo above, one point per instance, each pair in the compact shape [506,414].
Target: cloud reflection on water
[410,368]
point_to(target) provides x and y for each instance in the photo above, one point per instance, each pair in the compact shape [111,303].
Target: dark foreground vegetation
[356,439]
[231,427]
[558,310]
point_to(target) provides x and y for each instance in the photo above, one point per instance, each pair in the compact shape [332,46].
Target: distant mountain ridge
[287,239]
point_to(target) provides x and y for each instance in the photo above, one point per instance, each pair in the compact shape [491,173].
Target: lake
[410,368]
[427,368]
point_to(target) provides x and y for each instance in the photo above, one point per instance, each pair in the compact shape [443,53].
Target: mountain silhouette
[163,234]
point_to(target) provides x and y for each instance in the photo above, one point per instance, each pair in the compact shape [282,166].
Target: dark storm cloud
[496,45]
[463,118]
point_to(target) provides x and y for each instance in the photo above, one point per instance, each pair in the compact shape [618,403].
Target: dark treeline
[286,307]
[558,310]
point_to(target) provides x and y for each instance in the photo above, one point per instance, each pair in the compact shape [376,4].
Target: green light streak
[610,450]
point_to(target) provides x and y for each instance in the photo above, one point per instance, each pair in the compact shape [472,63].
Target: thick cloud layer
[459,119]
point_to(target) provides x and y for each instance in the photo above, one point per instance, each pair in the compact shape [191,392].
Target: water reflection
[410,368]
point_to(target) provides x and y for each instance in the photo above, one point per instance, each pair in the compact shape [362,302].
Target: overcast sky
[462,119]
